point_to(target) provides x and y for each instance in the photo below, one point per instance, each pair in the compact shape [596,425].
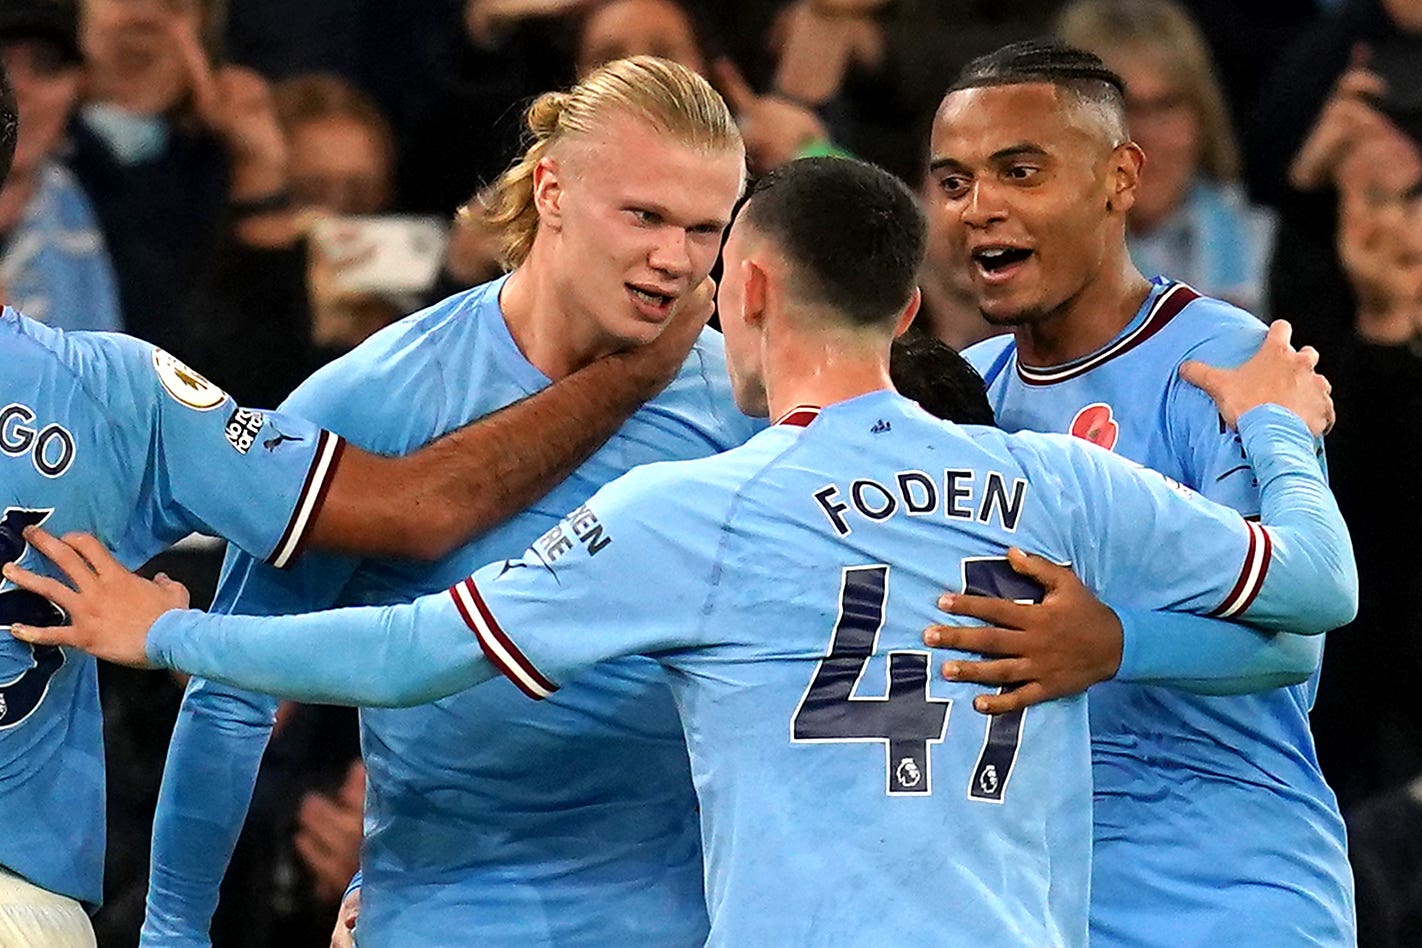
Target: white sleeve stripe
[1256,564]
[497,647]
[328,448]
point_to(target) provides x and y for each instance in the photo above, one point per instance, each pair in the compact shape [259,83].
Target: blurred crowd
[258,185]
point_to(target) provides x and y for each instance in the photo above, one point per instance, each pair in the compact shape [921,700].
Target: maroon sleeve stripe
[498,648]
[308,503]
[1251,575]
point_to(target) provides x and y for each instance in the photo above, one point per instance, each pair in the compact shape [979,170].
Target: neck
[822,367]
[556,340]
[1087,321]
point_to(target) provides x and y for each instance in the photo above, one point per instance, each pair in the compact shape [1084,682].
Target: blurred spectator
[1378,37]
[1336,146]
[1238,33]
[1190,218]
[1366,721]
[55,267]
[341,150]
[620,28]
[876,69]
[342,162]
[301,842]
[271,310]
[164,146]
[457,113]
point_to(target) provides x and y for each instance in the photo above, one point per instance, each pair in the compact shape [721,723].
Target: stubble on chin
[1010,319]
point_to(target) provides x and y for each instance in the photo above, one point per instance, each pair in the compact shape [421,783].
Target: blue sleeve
[1196,654]
[368,656]
[222,732]
[256,478]
[631,572]
[577,597]
[215,753]
[192,837]
[1142,540]
[1209,656]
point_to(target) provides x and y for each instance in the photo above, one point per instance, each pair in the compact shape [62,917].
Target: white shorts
[31,917]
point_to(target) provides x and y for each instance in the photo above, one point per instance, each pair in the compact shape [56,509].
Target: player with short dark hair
[932,373]
[785,583]
[1213,821]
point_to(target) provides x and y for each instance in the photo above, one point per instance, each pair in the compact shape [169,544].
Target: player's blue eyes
[645,217]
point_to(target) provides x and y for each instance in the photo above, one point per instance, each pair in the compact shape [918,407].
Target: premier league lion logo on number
[987,781]
[907,773]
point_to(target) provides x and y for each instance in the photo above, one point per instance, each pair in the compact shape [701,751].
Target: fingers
[1309,356]
[1200,375]
[1047,574]
[1001,671]
[62,554]
[739,95]
[1003,612]
[201,82]
[51,589]
[49,635]
[1281,334]
[1014,700]
[94,553]
[177,592]
[984,640]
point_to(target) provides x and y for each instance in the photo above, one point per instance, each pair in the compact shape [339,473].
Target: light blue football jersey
[1213,821]
[572,822]
[849,795]
[106,434]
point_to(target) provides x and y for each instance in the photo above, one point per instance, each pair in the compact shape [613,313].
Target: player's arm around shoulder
[1209,452]
[469,480]
[1304,575]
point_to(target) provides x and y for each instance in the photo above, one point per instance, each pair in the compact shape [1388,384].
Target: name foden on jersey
[961,495]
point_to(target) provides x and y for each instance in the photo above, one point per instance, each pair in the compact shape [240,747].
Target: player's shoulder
[1212,330]
[399,372]
[112,369]
[984,355]
[701,396]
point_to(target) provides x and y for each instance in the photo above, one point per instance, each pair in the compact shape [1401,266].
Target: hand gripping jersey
[106,434]
[1213,821]
[567,823]
[848,794]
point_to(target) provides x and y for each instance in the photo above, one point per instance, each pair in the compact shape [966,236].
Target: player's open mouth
[654,303]
[998,264]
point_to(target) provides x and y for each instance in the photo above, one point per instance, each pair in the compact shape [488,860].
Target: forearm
[212,766]
[1311,583]
[468,482]
[370,656]
[1209,656]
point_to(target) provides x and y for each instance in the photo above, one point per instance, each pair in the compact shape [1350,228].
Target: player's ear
[548,192]
[910,311]
[1127,160]
[756,292]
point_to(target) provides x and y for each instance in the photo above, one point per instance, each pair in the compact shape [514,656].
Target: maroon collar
[800,416]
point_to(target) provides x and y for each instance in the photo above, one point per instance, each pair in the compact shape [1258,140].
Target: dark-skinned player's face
[1029,193]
